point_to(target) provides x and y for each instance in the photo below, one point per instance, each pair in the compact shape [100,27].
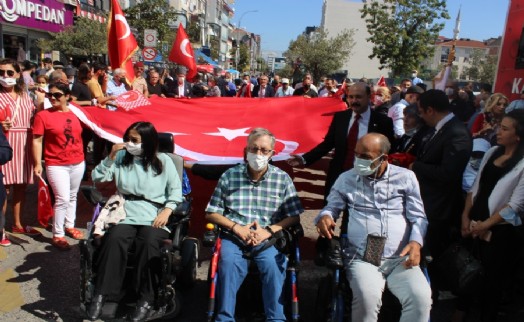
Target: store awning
[201,57]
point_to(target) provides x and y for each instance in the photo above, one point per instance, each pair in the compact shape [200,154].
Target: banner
[214,130]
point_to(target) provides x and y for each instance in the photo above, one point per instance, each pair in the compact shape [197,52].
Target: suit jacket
[336,139]
[171,88]
[439,168]
[270,91]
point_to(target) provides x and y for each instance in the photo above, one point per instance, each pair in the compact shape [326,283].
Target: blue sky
[280,21]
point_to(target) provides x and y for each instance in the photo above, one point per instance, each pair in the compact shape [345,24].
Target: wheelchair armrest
[183,209]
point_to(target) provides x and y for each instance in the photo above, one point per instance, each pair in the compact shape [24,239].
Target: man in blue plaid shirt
[251,202]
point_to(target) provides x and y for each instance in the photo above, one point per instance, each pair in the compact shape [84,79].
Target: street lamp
[237,52]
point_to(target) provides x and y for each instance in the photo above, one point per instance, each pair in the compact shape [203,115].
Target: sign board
[149,54]
[150,38]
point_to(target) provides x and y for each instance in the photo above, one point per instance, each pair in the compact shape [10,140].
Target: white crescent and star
[183,46]
[124,21]
[229,134]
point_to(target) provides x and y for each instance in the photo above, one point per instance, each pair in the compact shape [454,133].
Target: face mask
[257,162]
[413,75]
[404,90]
[378,100]
[228,80]
[363,167]
[134,148]
[8,82]
[244,81]
[449,91]
[71,80]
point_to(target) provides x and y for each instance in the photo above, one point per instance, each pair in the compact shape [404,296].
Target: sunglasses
[56,95]
[10,73]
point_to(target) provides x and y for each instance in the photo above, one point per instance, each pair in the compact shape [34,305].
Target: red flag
[121,44]
[131,100]
[382,82]
[214,130]
[182,52]
[45,208]
[341,90]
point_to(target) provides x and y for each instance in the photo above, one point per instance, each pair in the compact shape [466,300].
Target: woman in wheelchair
[150,185]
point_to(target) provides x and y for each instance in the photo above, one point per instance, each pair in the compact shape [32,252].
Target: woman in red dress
[16,112]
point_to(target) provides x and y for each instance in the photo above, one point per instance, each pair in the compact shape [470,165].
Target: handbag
[461,271]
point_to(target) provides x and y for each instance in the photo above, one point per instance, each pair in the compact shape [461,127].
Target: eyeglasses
[10,73]
[56,95]
[255,150]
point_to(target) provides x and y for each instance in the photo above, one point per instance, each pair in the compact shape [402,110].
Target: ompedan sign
[38,14]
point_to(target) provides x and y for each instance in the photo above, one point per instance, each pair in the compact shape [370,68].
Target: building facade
[338,15]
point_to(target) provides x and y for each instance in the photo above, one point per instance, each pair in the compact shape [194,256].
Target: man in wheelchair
[252,202]
[386,228]
[151,187]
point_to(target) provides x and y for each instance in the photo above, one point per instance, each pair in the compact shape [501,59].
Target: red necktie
[351,142]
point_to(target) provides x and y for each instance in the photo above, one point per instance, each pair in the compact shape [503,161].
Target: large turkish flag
[214,130]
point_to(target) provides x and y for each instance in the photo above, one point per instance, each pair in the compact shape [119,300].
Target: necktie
[351,142]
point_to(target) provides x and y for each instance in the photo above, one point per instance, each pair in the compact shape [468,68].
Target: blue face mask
[363,167]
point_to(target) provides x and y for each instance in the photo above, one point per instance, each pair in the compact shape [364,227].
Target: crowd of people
[464,178]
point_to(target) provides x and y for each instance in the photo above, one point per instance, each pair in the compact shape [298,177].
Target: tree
[321,55]
[152,14]
[403,31]
[243,61]
[86,38]
[482,67]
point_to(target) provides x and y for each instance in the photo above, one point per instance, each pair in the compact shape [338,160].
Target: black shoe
[142,311]
[95,308]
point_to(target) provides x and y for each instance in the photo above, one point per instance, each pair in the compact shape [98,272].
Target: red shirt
[62,133]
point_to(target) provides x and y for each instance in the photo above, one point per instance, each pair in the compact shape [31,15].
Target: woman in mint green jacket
[149,182]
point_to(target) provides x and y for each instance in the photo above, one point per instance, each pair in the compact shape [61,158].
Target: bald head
[373,145]
[58,76]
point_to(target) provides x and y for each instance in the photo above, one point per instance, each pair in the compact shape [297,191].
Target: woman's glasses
[10,73]
[56,95]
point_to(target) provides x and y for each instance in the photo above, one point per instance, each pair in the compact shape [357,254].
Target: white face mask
[363,167]
[257,162]
[378,100]
[134,148]
[449,91]
[413,75]
[8,82]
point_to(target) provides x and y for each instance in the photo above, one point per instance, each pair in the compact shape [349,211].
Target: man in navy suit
[178,87]
[358,98]
[263,89]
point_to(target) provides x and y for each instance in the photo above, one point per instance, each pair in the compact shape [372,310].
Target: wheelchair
[179,257]
[249,307]
[334,293]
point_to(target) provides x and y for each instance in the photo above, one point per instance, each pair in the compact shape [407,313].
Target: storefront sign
[49,15]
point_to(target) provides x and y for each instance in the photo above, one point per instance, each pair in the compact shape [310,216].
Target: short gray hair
[259,132]
[118,71]
[385,146]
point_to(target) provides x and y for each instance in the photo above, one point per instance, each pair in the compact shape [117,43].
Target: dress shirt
[396,113]
[389,206]
[363,122]
[114,90]
[243,201]
[181,90]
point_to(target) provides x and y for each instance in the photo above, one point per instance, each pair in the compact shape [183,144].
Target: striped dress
[20,169]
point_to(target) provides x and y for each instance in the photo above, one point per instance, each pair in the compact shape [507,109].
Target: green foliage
[320,54]
[403,31]
[482,67]
[152,14]
[86,38]
[243,61]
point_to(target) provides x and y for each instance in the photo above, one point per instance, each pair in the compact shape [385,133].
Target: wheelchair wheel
[174,306]
[323,301]
[190,254]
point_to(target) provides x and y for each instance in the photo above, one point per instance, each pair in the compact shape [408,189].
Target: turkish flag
[214,130]
[182,52]
[45,208]
[131,100]
[382,82]
[341,90]
[121,44]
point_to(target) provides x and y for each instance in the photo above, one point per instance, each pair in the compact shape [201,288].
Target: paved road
[41,283]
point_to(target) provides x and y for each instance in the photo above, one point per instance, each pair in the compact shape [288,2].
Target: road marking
[10,295]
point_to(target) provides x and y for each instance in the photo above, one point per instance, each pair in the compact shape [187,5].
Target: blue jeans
[409,285]
[232,270]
